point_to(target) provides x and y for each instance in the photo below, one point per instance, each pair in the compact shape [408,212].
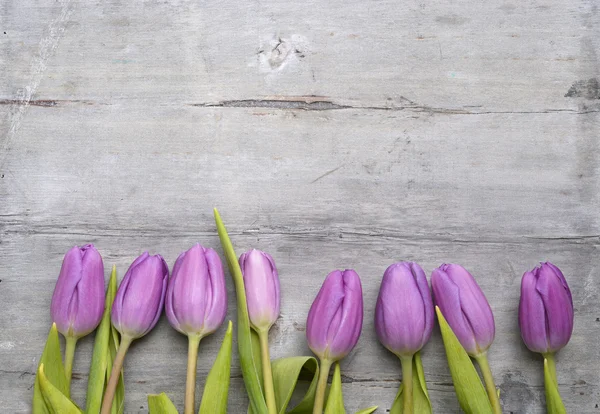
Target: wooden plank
[331,134]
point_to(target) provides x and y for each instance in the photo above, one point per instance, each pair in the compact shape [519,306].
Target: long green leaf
[101,358]
[335,401]
[216,389]
[286,373]
[422,404]
[249,366]
[554,404]
[54,371]
[160,404]
[56,401]
[467,384]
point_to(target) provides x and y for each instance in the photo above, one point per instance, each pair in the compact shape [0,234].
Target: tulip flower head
[545,309]
[261,282]
[404,310]
[78,299]
[196,300]
[140,297]
[464,306]
[336,316]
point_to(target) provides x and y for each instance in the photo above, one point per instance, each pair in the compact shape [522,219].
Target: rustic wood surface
[331,134]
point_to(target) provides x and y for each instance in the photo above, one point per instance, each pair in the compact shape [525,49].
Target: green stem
[111,387]
[263,336]
[489,382]
[552,367]
[407,383]
[71,341]
[190,384]
[322,386]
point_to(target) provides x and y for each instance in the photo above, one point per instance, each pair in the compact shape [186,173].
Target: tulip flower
[468,313]
[78,298]
[546,314]
[261,284]
[404,318]
[196,304]
[136,309]
[334,324]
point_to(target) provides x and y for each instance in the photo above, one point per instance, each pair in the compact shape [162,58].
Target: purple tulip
[140,297]
[545,309]
[262,288]
[404,310]
[464,306]
[336,316]
[78,299]
[196,301]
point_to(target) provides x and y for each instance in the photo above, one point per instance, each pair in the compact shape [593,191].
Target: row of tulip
[195,303]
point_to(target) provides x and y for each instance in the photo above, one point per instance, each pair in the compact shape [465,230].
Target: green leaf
[335,401]
[286,373]
[370,410]
[216,389]
[55,400]
[554,404]
[467,384]
[103,356]
[160,404]
[249,365]
[422,404]
[54,371]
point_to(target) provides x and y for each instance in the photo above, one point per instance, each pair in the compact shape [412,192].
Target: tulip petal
[89,293]
[448,298]
[217,306]
[322,311]
[532,315]
[557,303]
[350,325]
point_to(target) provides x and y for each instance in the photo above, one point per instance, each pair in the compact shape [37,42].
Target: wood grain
[331,134]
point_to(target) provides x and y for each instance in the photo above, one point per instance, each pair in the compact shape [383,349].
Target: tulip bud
[78,299]
[140,297]
[404,310]
[336,316]
[545,309]
[464,306]
[261,283]
[196,300]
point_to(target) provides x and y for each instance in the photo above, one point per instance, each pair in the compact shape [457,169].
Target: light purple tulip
[196,301]
[464,306]
[140,297]
[261,282]
[404,310]
[545,309]
[78,299]
[336,316]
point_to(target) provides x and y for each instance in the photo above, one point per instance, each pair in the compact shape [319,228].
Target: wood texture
[331,134]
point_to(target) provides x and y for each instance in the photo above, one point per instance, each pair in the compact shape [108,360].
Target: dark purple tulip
[78,299]
[404,310]
[545,309]
[140,297]
[464,306]
[261,282]
[336,316]
[196,301]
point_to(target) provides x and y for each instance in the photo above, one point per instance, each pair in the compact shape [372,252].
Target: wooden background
[332,134]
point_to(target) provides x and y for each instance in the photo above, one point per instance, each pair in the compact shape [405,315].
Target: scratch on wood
[47,47]
[326,174]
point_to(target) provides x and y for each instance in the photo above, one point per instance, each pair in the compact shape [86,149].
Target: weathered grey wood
[331,134]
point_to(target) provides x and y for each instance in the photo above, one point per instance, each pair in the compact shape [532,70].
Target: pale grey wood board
[331,134]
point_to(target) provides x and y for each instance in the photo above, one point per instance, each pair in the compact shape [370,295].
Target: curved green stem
[71,341]
[489,382]
[263,336]
[551,367]
[407,383]
[190,383]
[109,393]
[322,386]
